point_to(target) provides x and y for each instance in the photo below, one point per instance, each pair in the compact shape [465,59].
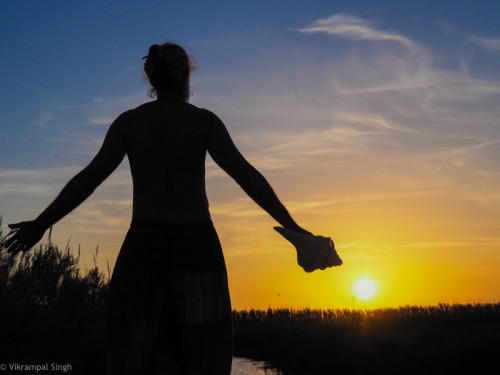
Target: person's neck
[168,96]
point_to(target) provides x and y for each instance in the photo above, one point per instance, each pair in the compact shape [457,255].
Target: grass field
[51,313]
[408,340]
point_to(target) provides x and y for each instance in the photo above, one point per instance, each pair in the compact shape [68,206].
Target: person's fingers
[20,247]
[9,241]
[326,256]
[17,251]
[335,259]
[305,263]
[9,238]
[308,269]
[332,260]
[13,249]
[326,260]
[11,245]
[24,248]
[16,244]
[16,225]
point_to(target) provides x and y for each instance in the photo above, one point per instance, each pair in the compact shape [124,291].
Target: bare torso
[166,146]
[166,142]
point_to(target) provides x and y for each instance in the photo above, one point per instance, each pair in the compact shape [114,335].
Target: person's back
[166,146]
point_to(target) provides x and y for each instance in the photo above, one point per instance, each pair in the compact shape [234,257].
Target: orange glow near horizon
[416,262]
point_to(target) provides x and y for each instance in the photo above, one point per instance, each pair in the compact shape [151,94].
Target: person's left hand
[23,236]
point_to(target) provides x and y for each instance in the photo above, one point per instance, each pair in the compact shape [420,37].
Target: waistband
[147,238]
[163,226]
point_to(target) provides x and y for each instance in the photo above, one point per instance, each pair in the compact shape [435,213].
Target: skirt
[168,309]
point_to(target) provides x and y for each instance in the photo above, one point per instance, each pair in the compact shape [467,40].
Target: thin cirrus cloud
[33,182]
[36,173]
[491,44]
[32,190]
[104,111]
[48,181]
[417,86]
[101,215]
[348,26]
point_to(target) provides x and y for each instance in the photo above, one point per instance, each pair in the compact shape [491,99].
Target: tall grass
[404,340]
[52,313]
[49,311]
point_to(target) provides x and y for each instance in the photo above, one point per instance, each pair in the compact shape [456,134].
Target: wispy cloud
[37,173]
[47,182]
[34,182]
[32,190]
[491,44]
[52,112]
[347,26]
[445,27]
[241,207]
[104,110]
[101,215]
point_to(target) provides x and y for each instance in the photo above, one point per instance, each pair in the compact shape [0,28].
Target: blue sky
[347,107]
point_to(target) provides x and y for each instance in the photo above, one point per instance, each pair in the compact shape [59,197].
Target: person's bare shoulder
[138,110]
[134,115]
[210,120]
[124,119]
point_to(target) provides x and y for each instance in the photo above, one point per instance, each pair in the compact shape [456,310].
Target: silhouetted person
[169,309]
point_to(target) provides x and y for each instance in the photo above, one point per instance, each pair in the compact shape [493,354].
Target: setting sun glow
[365,288]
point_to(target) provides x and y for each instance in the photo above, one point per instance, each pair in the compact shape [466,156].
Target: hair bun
[154,52]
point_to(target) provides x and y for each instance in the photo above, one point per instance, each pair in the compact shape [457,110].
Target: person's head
[168,67]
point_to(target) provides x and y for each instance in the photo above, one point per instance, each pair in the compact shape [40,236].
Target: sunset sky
[377,125]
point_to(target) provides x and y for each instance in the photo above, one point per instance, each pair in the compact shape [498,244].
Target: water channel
[244,366]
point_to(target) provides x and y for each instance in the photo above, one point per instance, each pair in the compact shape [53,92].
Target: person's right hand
[23,236]
[313,252]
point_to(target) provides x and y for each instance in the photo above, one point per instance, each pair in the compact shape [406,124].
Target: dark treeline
[406,340]
[52,313]
[442,314]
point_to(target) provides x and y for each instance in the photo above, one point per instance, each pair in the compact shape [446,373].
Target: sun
[365,288]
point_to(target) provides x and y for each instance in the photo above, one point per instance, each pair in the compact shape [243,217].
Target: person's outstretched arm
[78,189]
[223,151]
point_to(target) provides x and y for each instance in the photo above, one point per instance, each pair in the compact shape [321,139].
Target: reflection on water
[244,366]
